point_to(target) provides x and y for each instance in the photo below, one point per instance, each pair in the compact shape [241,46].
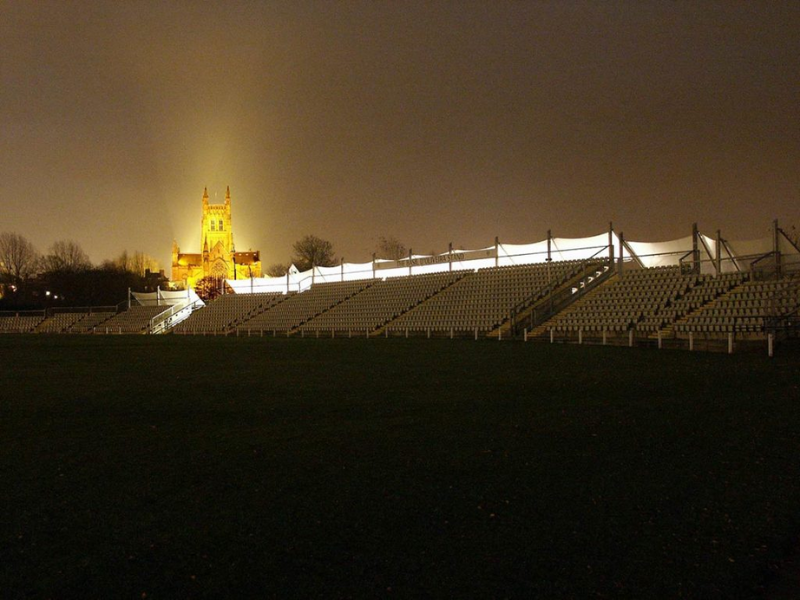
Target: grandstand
[20,321]
[227,312]
[93,320]
[75,320]
[60,322]
[297,309]
[707,289]
[584,290]
[381,303]
[134,320]
[745,309]
[637,300]
[481,302]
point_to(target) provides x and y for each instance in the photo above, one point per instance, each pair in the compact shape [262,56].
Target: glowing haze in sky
[430,121]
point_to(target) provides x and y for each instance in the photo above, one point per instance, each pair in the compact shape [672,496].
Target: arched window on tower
[213,223]
[221,228]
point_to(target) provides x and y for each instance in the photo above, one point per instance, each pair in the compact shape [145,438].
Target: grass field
[190,467]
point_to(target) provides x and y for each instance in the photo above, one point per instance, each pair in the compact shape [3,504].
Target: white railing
[176,313]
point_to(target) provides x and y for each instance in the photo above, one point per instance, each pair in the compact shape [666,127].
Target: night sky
[429,121]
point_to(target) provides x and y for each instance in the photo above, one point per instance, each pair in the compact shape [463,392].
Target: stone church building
[218,258]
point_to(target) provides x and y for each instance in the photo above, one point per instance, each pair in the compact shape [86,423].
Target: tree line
[64,275]
[312,251]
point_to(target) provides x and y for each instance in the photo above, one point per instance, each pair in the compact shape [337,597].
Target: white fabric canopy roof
[650,254]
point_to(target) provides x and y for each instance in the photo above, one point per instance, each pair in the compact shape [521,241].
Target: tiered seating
[19,323]
[484,299]
[637,300]
[708,289]
[60,322]
[746,308]
[382,302]
[94,320]
[134,320]
[299,308]
[227,311]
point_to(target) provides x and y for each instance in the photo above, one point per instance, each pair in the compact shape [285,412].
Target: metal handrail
[563,298]
[173,310]
[538,294]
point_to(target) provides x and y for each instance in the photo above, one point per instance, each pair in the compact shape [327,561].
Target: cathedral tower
[216,224]
[218,257]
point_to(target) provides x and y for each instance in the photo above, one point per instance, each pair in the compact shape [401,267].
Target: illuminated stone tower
[216,223]
[218,257]
[217,237]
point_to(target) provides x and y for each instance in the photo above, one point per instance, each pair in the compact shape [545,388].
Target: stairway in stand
[668,331]
[544,329]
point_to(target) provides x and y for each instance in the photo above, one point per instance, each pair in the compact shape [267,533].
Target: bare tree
[18,258]
[122,262]
[390,248]
[311,251]
[66,256]
[136,263]
[277,270]
[141,263]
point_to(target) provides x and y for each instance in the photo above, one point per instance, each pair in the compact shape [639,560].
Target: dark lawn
[189,467]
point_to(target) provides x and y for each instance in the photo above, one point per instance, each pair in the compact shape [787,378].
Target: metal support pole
[695,250]
[730,342]
[580,335]
[691,340]
[450,256]
[549,241]
[621,252]
[770,345]
[718,254]
[524,335]
[551,335]
[630,338]
[496,251]
[777,247]
[611,244]
[659,339]
[549,261]
[605,336]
